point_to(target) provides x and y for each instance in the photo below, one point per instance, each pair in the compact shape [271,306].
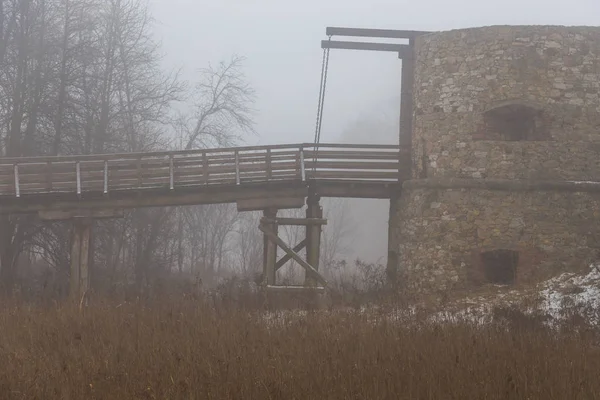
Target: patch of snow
[551,298]
[572,290]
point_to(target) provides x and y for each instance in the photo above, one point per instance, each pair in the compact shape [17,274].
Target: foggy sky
[281,40]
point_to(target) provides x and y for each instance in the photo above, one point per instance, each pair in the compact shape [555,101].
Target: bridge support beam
[270,247]
[314,282]
[82,221]
[313,238]
[80,257]
[392,267]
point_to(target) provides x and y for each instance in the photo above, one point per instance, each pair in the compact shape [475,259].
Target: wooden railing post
[105,176]
[139,171]
[78,178]
[268,165]
[302,165]
[205,167]
[237,168]
[171,172]
[49,176]
[16,173]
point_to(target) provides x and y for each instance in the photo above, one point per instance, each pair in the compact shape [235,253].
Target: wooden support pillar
[270,248]
[80,257]
[313,238]
[407,106]
[393,266]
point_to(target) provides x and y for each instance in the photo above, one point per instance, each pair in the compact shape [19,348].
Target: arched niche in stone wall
[515,120]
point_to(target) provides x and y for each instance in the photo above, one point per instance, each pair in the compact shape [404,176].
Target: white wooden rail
[171,170]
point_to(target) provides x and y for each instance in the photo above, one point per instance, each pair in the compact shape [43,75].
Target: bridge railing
[171,170]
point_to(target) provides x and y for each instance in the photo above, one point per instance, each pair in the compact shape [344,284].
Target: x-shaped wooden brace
[292,254]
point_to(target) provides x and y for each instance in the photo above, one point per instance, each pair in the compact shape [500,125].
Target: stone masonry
[506,144]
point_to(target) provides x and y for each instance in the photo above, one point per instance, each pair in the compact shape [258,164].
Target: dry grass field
[180,349]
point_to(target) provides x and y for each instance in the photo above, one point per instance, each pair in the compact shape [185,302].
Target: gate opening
[500,266]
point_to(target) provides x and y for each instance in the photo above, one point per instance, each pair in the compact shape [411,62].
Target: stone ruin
[506,143]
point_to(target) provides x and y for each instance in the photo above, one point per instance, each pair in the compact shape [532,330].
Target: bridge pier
[82,222]
[80,257]
[313,238]
[392,267]
[270,247]
[314,282]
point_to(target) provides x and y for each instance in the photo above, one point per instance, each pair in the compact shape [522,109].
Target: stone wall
[462,76]
[506,132]
[444,231]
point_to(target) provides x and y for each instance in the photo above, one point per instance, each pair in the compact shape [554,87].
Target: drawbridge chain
[321,102]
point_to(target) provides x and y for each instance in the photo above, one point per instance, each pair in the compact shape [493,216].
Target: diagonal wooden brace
[287,257]
[277,240]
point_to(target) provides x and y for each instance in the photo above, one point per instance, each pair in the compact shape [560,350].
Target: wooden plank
[294,289]
[403,50]
[135,155]
[373,33]
[356,165]
[41,177]
[156,198]
[279,203]
[62,215]
[358,175]
[350,146]
[296,221]
[274,238]
[351,155]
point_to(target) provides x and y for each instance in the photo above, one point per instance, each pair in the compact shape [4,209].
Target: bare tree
[84,76]
[220,114]
[24,59]
[338,235]
[221,107]
[249,244]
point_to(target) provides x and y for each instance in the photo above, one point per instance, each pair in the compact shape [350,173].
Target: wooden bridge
[226,175]
[268,178]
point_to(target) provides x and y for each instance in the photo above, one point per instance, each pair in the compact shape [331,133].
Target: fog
[281,43]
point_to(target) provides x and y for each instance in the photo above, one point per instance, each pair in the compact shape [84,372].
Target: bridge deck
[209,176]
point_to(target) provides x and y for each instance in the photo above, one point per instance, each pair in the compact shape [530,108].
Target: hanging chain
[324,70]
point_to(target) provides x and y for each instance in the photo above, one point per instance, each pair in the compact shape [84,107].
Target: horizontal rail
[403,49]
[104,173]
[373,33]
[182,153]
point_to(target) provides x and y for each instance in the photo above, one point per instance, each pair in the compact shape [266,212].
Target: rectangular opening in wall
[514,121]
[500,266]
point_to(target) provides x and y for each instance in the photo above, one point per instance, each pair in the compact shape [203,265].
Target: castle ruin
[505,144]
